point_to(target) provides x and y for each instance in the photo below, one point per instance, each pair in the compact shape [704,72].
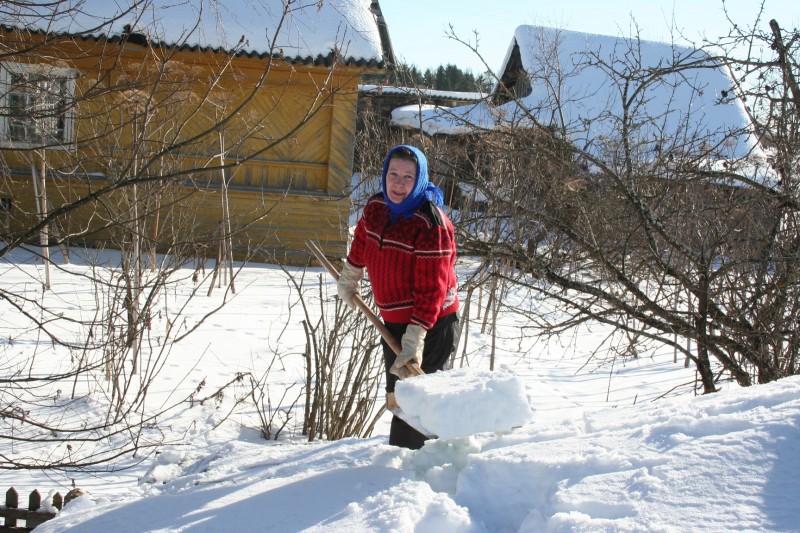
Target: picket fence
[11,513]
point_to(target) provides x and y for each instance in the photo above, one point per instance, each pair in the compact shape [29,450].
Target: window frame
[66,141]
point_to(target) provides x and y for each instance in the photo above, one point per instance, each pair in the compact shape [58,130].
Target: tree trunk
[38,175]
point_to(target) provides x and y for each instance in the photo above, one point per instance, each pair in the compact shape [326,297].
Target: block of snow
[462,402]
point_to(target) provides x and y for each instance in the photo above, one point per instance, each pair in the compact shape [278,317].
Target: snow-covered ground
[612,445]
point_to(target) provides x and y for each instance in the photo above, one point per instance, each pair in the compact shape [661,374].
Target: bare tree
[344,366]
[155,136]
[628,207]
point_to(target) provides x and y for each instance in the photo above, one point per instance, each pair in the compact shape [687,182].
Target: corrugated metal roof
[312,33]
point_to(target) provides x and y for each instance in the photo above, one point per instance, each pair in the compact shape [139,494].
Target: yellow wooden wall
[289,146]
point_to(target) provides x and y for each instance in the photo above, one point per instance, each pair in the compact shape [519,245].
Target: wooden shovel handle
[414,369]
[362,306]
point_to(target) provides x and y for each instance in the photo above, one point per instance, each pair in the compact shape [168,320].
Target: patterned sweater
[411,263]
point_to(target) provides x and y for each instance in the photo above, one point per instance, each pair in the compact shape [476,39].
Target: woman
[407,245]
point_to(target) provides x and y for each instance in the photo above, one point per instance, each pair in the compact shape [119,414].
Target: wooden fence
[10,512]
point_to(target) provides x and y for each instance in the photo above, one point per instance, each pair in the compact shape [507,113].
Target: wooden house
[569,81]
[572,83]
[181,126]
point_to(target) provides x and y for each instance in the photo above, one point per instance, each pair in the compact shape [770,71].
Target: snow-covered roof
[310,29]
[572,89]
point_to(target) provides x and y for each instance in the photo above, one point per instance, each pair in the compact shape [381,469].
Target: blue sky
[417,27]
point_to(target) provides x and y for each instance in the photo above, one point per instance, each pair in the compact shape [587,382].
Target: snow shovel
[414,368]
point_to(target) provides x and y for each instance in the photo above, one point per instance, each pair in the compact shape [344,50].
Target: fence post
[58,501]
[12,500]
[34,503]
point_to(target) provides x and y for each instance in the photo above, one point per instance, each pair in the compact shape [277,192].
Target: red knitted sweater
[411,263]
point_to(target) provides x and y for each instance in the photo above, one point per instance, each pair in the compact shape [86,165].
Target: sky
[560,437]
[417,27]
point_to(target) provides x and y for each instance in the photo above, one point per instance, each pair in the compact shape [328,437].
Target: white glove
[349,284]
[413,342]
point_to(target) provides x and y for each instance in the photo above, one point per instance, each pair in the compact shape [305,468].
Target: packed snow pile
[458,403]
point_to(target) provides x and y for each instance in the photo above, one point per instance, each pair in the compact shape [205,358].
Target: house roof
[306,31]
[426,94]
[564,67]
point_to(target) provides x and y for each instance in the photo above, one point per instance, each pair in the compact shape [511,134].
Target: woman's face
[401,176]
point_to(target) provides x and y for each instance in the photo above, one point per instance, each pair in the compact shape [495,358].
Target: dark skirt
[439,347]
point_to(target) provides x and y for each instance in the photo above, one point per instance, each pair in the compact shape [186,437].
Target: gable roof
[573,69]
[308,31]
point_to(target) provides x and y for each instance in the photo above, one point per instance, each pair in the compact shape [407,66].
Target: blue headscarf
[423,188]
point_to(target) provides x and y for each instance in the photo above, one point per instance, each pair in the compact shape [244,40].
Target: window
[36,106]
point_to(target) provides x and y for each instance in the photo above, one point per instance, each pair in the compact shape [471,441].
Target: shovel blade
[412,421]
